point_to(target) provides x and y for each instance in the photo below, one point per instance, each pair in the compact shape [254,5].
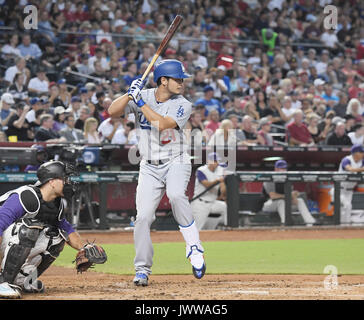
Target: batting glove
[134,92]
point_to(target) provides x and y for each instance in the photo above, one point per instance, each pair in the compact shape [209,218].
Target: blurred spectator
[329,95]
[361,100]
[108,127]
[100,96]
[349,121]
[120,136]
[84,66]
[272,111]
[353,109]
[98,57]
[209,102]
[35,104]
[74,107]
[307,106]
[10,49]
[90,131]
[19,67]
[52,59]
[317,134]
[219,81]
[195,124]
[45,28]
[104,32]
[223,136]
[297,132]
[35,124]
[39,84]
[29,49]
[250,109]
[321,65]
[264,138]
[45,132]
[354,89]
[130,73]
[63,95]
[329,38]
[235,108]
[18,126]
[286,112]
[6,112]
[70,133]
[130,132]
[338,137]
[18,89]
[213,123]
[295,102]
[249,132]
[59,117]
[357,135]
[340,107]
[105,105]
[269,39]
[83,115]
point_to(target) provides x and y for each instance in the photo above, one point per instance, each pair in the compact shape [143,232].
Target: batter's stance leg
[176,185]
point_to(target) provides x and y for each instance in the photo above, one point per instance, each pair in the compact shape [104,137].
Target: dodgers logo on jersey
[180,112]
[144,123]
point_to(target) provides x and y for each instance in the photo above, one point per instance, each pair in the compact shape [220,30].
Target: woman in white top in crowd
[357,135]
[10,49]
[90,131]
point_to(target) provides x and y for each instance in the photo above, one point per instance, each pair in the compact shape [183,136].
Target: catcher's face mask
[69,187]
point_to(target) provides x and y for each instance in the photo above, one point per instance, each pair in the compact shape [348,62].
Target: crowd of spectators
[267,69]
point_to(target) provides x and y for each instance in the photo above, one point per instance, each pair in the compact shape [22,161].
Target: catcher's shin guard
[49,257]
[16,254]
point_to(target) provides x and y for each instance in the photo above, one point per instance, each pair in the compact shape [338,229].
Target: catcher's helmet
[51,170]
[170,68]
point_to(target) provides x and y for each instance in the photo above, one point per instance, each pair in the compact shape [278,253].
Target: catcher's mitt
[90,254]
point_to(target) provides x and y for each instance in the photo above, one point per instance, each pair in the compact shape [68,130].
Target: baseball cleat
[37,287]
[199,273]
[198,262]
[8,291]
[141,279]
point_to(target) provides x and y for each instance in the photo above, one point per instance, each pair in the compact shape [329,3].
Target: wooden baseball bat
[170,33]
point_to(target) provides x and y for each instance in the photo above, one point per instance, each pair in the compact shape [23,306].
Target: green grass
[254,257]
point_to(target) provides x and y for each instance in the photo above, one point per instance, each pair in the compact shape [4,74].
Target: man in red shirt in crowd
[298,133]
[213,123]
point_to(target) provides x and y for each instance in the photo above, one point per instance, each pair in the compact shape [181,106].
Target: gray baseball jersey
[154,180]
[170,143]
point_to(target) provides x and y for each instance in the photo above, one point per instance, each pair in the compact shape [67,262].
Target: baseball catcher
[33,231]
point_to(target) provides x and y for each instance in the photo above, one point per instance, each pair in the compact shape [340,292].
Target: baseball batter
[161,114]
[351,164]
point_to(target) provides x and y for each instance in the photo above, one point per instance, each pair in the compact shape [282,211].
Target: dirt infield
[64,283]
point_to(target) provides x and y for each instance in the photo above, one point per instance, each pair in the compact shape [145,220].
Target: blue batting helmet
[170,68]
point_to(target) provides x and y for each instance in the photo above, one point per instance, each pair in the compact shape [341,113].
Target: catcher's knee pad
[17,253]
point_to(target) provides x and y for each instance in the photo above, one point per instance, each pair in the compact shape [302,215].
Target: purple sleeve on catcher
[10,211]
[66,226]
[201,176]
[345,162]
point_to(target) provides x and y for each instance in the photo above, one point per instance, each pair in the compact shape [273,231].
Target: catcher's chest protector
[30,197]
[50,213]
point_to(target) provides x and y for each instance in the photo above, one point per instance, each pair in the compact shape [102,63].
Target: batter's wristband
[140,103]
